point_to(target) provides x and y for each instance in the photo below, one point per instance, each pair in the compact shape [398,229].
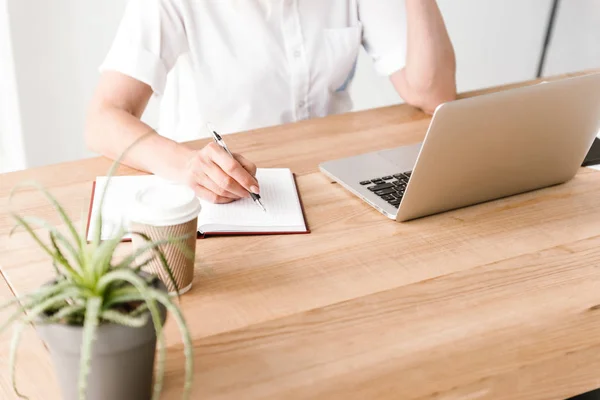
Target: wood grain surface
[496,301]
[35,376]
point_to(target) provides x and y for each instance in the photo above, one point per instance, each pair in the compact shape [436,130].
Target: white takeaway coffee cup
[162,211]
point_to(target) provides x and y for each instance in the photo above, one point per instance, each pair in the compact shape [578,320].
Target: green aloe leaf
[14,346]
[127,296]
[40,294]
[35,237]
[121,296]
[104,253]
[141,266]
[35,309]
[62,314]
[34,302]
[90,325]
[10,303]
[61,211]
[185,334]
[139,310]
[61,259]
[97,235]
[60,238]
[155,247]
[124,319]
[14,317]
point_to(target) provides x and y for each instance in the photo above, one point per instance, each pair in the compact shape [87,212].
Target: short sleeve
[384,33]
[149,40]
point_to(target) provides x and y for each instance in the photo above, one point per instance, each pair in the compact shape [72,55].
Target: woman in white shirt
[257,63]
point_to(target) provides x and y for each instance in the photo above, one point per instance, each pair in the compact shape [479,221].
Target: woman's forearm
[114,124]
[429,76]
[110,131]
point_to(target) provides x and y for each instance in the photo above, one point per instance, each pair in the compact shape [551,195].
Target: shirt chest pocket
[341,47]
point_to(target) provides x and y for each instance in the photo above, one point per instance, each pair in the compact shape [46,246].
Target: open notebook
[278,193]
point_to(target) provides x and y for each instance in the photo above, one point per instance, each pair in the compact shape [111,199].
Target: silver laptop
[480,149]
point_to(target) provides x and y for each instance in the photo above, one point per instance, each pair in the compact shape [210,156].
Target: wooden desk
[35,375]
[496,301]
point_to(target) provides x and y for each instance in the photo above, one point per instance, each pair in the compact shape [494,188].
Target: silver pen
[219,140]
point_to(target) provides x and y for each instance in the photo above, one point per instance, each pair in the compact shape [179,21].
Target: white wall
[496,42]
[59,44]
[12,155]
[576,37]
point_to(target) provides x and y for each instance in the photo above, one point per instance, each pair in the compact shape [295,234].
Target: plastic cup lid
[164,204]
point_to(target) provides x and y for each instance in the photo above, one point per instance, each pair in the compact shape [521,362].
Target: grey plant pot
[122,362]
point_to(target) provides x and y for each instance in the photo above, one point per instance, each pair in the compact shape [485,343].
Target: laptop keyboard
[390,187]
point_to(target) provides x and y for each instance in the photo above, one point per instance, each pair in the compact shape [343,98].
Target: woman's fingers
[220,178]
[247,164]
[224,182]
[204,180]
[209,195]
[234,170]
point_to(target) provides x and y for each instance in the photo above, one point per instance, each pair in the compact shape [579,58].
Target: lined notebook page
[278,194]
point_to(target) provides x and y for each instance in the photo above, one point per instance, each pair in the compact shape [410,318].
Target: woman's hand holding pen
[218,178]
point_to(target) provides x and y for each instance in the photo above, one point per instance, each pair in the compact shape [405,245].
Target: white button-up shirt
[245,64]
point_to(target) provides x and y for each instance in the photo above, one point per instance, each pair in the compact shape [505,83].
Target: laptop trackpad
[403,157]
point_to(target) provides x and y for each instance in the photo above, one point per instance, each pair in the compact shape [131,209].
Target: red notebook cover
[207,234]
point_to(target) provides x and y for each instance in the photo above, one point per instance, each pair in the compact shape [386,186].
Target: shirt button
[301,104]
[297,53]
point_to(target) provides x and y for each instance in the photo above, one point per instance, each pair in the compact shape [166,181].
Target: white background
[12,155]
[50,52]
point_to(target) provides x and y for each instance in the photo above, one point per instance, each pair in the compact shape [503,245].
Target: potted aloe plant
[99,317]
